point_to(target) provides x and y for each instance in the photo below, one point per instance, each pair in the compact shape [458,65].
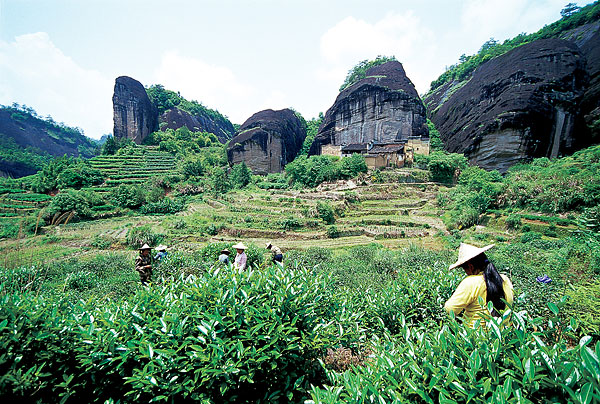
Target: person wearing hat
[483,280]
[143,264]
[240,258]
[162,253]
[224,257]
[277,254]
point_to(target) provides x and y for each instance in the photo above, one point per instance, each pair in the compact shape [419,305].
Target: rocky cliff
[135,117]
[176,118]
[27,142]
[517,106]
[267,141]
[383,107]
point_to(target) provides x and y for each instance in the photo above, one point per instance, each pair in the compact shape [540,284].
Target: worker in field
[277,254]
[224,256]
[482,281]
[143,264]
[161,254]
[240,258]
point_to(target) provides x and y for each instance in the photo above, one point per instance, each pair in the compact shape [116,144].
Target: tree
[569,10]
[240,175]
[220,183]
[358,72]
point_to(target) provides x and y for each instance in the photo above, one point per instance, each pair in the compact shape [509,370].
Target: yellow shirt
[466,297]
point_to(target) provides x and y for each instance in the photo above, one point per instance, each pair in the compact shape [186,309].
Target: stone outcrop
[384,107]
[517,106]
[267,141]
[176,118]
[135,117]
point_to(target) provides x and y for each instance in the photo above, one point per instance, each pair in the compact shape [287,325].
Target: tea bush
[140,235]
[225,337]
[455,364]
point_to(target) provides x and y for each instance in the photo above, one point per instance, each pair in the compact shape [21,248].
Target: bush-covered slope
[28,141]
[493,48]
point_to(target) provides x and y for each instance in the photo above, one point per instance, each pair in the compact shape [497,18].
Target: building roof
[357,147]
[387,148]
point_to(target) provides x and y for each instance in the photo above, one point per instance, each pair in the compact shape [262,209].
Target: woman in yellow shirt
[483,280]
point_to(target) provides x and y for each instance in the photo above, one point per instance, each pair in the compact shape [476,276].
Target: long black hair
[493,282]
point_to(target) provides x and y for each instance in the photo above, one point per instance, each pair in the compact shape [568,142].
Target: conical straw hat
[240,246]
[145,247]
[468,251]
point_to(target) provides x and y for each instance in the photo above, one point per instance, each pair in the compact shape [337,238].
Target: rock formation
[135,116]
[176,118]
[520,105]
[27,135]
[267,141]
[383,107]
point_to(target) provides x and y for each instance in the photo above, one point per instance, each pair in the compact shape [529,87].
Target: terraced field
[133,168]
[391,214]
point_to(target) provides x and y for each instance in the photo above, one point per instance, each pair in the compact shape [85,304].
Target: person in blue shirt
[162,253]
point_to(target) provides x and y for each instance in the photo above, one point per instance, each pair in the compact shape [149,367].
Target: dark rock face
[521,105]
[176,118]
[38,137]
[383,107]
[267,141]
[590,102]
[135,116]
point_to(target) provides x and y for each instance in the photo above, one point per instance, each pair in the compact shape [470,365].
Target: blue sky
[61,57]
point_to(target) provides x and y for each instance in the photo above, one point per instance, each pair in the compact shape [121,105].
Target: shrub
[240,175]
[71,200]
[513,222]
[128,196]
[325,212]
[82,280]
[140,235]
[332,232]
[165,206]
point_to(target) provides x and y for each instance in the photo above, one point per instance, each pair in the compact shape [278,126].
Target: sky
[61,57]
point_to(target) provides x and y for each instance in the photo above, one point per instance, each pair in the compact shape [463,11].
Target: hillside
[175,112]
[28,141]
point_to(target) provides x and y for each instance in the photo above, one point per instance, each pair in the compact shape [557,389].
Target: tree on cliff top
[358,72]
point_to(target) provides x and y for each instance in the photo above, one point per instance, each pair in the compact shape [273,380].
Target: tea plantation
[355,314]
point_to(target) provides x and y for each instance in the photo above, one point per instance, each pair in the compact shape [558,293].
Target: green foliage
[240,175]
[435,141]
[164,206]
[572,17]
[79,175]
[444,167]
[451,364]
[34,157]
[192,167]
[358,72]
[128,196]
[46,179]
[219,181]
[167,99]
[325,212]
[513,222]
[555,186]
[139,235]
[72,200]
[312,171]
[30,157]
[182,140]
[312,128]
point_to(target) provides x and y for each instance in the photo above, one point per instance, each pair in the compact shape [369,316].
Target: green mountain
[28,141]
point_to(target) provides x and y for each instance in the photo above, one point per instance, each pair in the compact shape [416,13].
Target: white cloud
[33,71]
[400,35]
[214,86]
[502,19]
